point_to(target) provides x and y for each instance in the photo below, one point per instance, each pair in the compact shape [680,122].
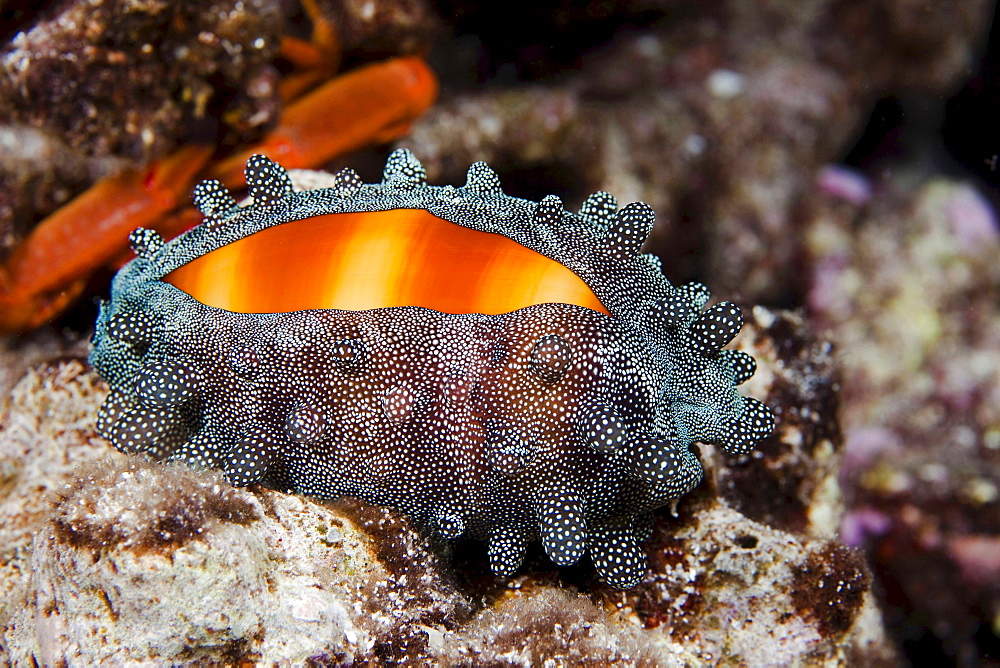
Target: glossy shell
[555,420]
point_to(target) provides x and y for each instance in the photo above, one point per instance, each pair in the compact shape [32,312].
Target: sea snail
[493,367]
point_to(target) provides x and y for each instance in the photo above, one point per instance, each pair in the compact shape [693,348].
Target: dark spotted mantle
[553,421]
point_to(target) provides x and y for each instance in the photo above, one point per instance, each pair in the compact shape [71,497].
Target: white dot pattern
[550,358]
[754,423]
[397,404]
[629,230]
[615,552]
[655,460]
[563,525]
[247,460]
[212,198]
[599,210]
[553,422]
[347,182]
[403,170]
[506,549]
[145,243]
[167,383]
[449,525]
[244,362]
[133,328]
[604,429]
[695,293]
[155,430]
[348,354]
[743,365]
[480,178]
[267,181]
[204,448]
[305,424]
[716,327]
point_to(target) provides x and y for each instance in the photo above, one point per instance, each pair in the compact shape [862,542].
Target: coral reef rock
[172,564]
[910,288]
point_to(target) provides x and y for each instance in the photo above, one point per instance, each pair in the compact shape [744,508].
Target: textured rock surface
[120,82]
[168,564]
[18,355]
[172,564]
[124,78]
[46,432]
[721,584]
[87,87]
[911,289]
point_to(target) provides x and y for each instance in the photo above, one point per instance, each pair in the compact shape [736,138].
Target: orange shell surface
[360,261]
